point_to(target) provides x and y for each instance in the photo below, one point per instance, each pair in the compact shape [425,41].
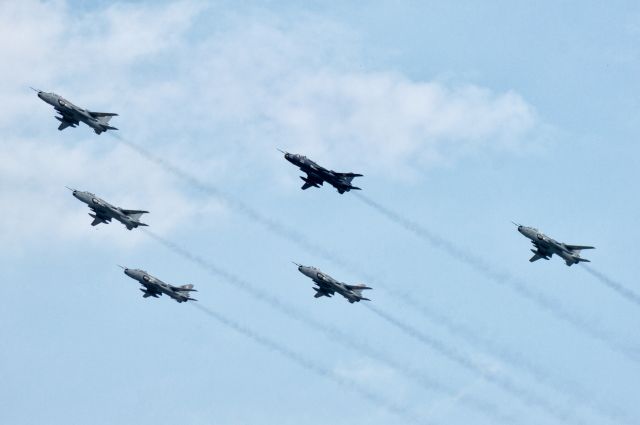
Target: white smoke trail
[527,397]
[618,287]
[302,241]
[501,277]
[376,399]
[482,406]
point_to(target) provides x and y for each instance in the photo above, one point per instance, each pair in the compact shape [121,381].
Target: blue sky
[461,117]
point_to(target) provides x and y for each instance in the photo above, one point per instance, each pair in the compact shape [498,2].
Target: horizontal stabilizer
[358,287]
[186,288]
[578,247]
[103,114]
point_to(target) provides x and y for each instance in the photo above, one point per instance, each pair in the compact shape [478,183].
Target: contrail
[302,241]
[527,397]
[331,332]
[618,287]
[450,402]
[501,277]
[238,205]
[376,399]
[299,239]
[572,389]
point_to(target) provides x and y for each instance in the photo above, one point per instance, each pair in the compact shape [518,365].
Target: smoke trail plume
[331,332]
[575,392]
[501,277]
[238,205]
[527,397]
[618,287]
[445,405]
[299,239]
[376,399]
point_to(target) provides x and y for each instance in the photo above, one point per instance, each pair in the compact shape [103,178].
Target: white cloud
[92,55]
[387,121]
[37,205]
[265,84]
[211,90]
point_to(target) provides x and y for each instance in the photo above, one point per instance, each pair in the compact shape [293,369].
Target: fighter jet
[546,247]
[71,115]
[103,211]
[327,286]
[154,287]
[316,175]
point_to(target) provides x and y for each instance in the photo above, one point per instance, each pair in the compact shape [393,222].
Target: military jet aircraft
[316,175]
[546,247]
[103,211]
[327,286]
[154,287]
[71,115]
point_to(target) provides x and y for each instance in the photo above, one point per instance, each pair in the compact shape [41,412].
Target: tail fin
[349,177]
[187,288]
[135,214]
[357,289]
[103,116]
[104,119]
[578,247]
